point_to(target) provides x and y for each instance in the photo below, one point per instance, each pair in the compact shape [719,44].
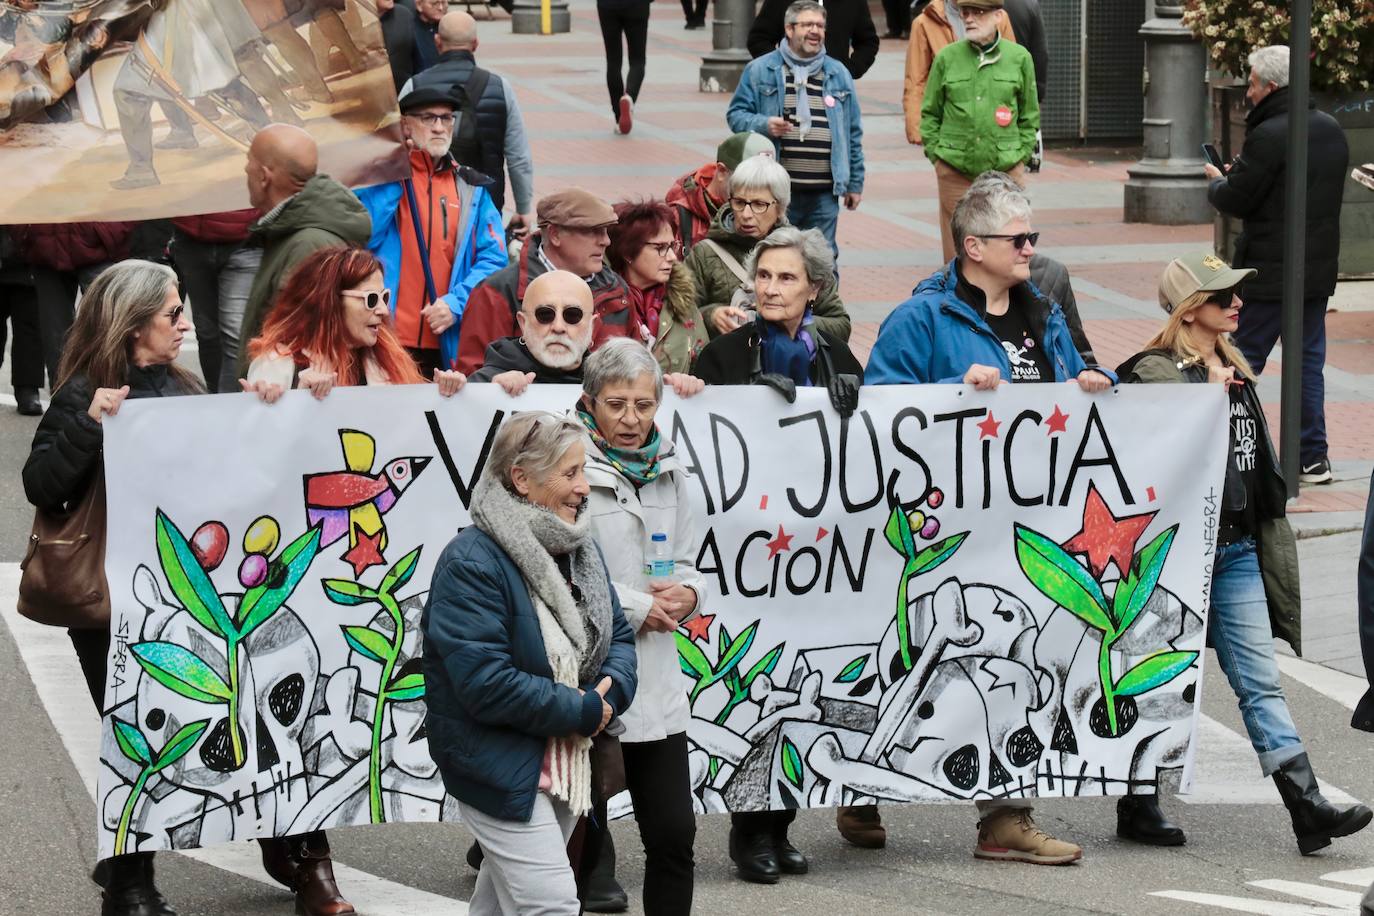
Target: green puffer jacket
[716,282]
[967,103]
[323,213]
[681,329]
[1274,541]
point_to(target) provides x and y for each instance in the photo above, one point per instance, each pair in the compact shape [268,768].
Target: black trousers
[19,307]
[660,783]
[633,23]
[695,12]
[773,823]
[898,14]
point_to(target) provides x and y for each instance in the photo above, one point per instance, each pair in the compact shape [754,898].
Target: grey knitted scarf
[532,536]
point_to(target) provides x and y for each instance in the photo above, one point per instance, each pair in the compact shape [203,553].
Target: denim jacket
[759,97]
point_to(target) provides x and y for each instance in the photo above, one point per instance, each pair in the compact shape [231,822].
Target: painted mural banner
[140,109]
[949,595]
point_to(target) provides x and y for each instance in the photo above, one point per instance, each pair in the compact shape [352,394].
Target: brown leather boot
[861,825]
[317,893]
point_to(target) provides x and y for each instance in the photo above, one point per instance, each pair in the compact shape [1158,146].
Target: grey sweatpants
[525,867]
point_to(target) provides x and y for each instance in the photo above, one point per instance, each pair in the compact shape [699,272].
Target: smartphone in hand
[1213,156]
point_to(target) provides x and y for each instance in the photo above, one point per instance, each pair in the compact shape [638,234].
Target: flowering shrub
[1342,36]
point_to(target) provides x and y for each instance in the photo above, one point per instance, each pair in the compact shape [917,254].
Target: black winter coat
[510,353]
[67,445]
[736,359]
[1029,29]
[454,69]
[398,34]
[850,36]
[1254,188]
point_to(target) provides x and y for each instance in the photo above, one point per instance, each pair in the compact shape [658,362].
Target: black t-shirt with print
[1029,362]
[1244,459]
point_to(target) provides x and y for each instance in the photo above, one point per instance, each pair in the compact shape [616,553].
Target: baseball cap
[576,208]
[738,147]
[1200,271]
[425,95]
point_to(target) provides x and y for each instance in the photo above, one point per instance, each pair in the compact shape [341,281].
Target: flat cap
[981,4]
[576,208]
[423,96]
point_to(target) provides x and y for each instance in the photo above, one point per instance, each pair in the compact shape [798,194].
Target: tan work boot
[1009,835]
[861,825]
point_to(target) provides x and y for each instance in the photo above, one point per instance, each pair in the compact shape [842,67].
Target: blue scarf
[786,355]
[802,69]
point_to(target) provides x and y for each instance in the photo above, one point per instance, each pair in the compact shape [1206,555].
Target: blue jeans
[1261,321]
[816,210]
[1239,629]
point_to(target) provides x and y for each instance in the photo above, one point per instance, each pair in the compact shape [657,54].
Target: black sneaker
[1317,472]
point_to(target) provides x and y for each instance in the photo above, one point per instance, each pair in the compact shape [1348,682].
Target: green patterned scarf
[639,465]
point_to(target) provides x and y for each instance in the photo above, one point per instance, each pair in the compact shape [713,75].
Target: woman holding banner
[123,344]
[527,656]
[641,514]
[1255,593]
[331,325]
[783,348]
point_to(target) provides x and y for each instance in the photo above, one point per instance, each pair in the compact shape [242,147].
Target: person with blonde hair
[1255,593]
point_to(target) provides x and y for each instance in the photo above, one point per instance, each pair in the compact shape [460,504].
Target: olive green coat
[681,329]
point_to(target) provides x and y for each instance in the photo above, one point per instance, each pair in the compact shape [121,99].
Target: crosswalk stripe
[1316,893]
[1345,689]
[57,680]
[1250,905]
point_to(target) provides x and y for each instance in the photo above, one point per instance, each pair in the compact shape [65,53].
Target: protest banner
[950,595]
[139,109]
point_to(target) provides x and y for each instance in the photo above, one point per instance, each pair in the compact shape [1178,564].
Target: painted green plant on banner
[134,745]
[730,654]
[187,568]
[1066,582]
[392,686]
[901,531]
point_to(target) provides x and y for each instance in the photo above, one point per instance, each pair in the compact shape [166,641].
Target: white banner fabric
[952,595]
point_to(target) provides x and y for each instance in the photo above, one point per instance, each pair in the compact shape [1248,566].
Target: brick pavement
[892,241]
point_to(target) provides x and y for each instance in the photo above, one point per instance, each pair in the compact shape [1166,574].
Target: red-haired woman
[646,253]
[331,325]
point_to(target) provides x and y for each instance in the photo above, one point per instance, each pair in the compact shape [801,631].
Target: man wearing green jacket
[980,111]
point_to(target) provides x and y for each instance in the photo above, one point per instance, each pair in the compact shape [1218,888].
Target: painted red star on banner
[1104,537]
[699,627]
[780,543]
[366,553]
[1056,422]
[988,428]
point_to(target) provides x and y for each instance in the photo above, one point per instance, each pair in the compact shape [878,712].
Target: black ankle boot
[1140,819]
[129,888]
[604,893]
[754,856]
[1315,820]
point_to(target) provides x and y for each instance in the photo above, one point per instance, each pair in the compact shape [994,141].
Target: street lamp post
[527,17]
[1167,186]
[722,65]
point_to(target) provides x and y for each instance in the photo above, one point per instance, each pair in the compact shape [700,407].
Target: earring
[522,340]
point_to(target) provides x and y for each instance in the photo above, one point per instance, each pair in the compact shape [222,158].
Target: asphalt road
[1240,849]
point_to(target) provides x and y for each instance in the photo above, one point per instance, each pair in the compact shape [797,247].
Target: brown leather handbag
[62,583]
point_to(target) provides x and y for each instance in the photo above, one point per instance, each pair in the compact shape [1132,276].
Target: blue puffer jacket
[492,701]
[935,336]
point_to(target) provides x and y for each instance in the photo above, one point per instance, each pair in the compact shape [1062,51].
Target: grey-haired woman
[527,656]
[639,502]
[123,344]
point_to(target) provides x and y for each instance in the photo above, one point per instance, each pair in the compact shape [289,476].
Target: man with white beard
[555,321]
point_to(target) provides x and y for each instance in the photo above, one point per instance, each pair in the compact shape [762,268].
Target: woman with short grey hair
[527,656]
[760,191]
[642,516]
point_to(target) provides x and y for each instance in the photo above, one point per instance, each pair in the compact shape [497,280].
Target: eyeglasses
[665,248]
[175,314]
[618,407]
[572,315]
[810,26]
[1019,240]
[429,118]
[371,299]
[758,206]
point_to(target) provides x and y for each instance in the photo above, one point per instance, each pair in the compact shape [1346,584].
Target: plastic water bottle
[659,563]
